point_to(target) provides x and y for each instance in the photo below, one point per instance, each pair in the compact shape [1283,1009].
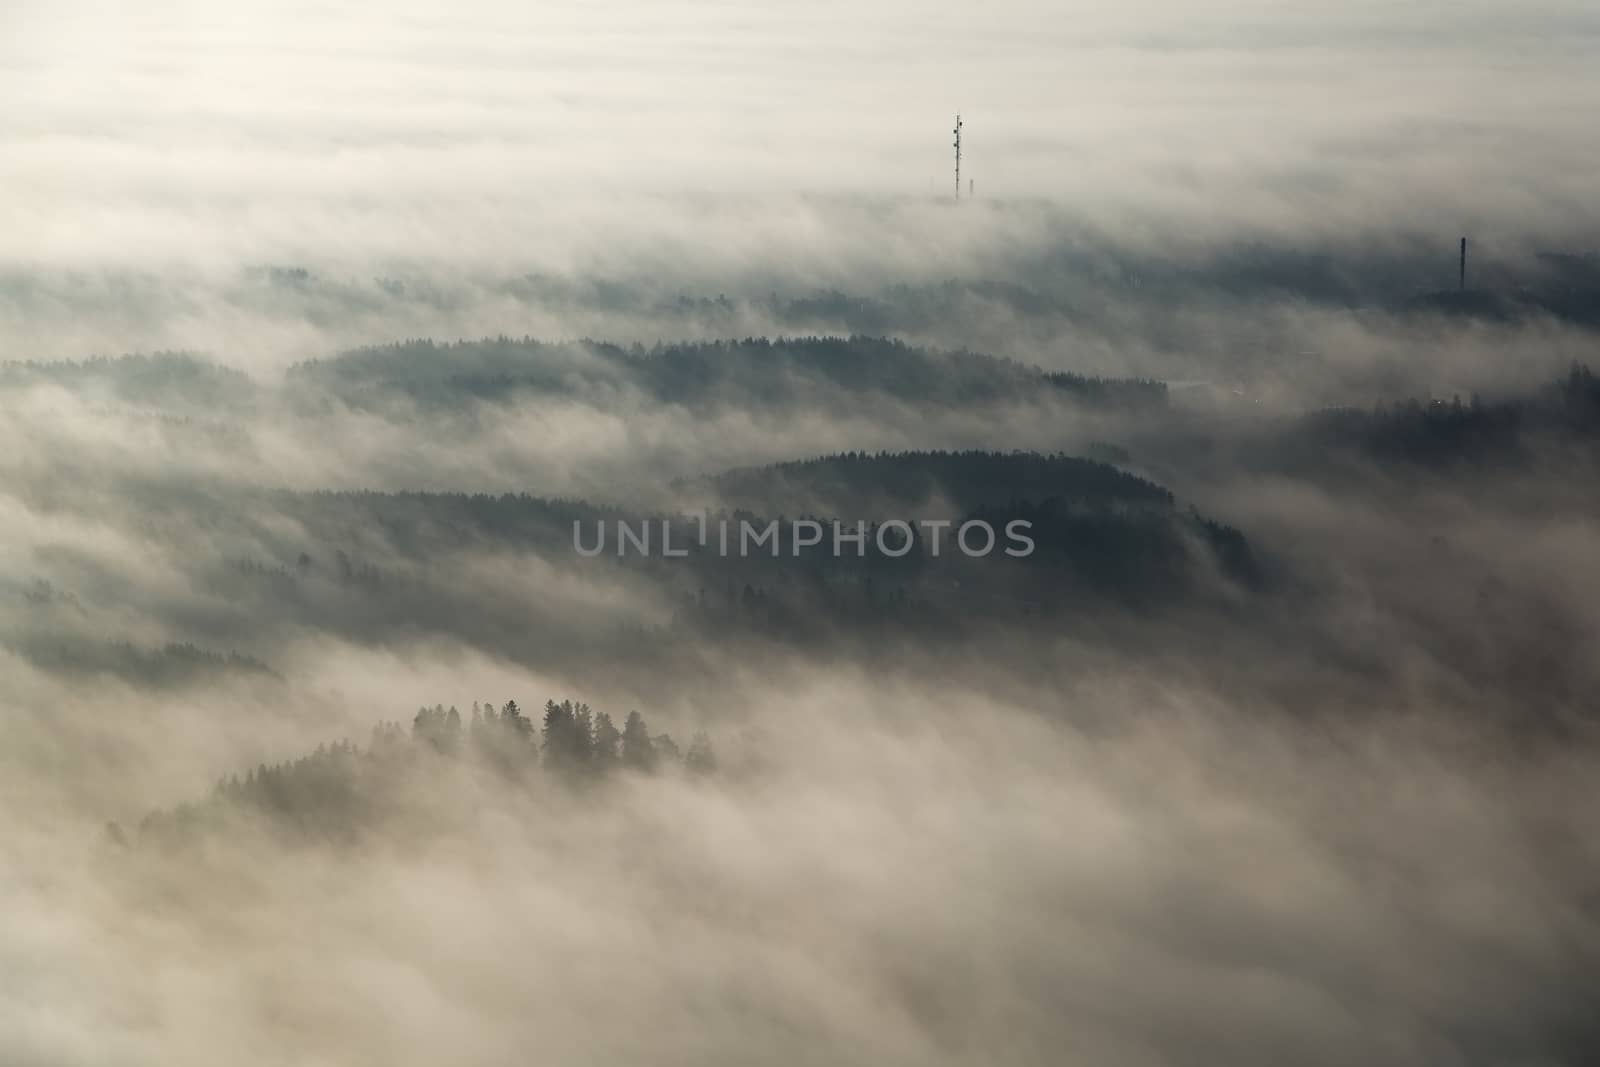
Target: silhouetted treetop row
[340,789]
[569,738]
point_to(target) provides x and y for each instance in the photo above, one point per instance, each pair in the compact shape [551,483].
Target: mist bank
[165,556]
[1339,818]
[906,870]
[1284,322]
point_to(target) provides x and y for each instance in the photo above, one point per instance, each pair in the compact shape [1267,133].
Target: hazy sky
[496,131]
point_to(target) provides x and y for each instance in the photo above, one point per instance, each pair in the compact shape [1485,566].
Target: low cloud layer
[1281,751]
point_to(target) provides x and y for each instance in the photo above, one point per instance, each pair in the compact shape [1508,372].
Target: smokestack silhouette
[1463,264]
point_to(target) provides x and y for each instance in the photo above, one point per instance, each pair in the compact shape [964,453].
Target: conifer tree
[637,752]
[607,738]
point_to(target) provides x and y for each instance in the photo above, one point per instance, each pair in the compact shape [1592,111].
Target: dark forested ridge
[383,559]
[259,567]
[751,373]
[341,791]
[1097,529]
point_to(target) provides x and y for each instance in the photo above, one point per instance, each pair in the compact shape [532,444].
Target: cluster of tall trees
[571,739]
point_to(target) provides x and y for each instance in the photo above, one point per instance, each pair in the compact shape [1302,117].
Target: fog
[324,328]
[422,161]
[896,873]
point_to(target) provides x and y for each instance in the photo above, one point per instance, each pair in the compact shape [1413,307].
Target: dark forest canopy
[756,372]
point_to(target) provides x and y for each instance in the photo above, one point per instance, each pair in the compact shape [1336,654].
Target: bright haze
[329,332]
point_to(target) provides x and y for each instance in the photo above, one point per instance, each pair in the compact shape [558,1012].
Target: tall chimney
[1463,264]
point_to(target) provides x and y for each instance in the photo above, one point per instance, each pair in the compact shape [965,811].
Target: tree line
[1437,431]
[341,789]
[571,739]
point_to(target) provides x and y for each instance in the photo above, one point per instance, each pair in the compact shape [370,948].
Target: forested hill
[1096,525]
[403,777]
[379,563]
[754,372]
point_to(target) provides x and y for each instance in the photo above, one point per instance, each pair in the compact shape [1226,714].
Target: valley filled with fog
[331,341]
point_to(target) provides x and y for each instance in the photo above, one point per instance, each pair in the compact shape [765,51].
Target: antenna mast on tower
[958,155]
